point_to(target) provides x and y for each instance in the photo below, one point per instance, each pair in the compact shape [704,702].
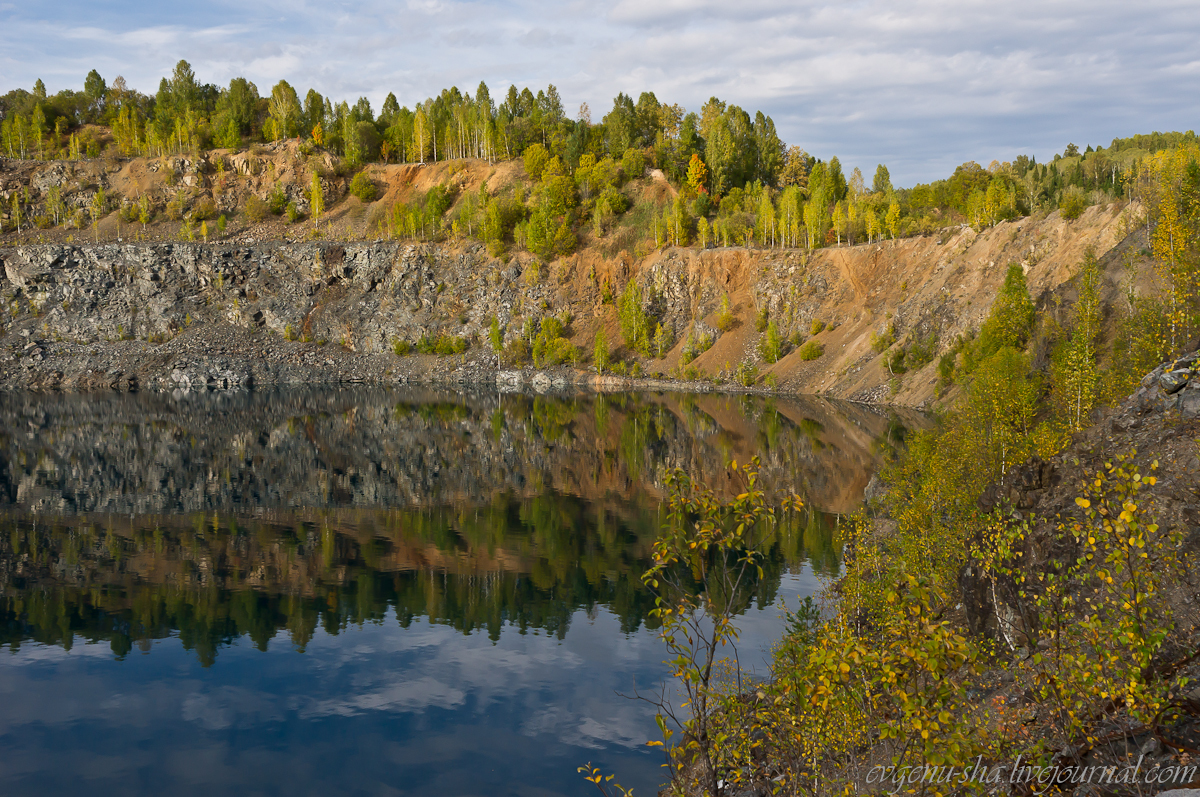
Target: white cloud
[921,86]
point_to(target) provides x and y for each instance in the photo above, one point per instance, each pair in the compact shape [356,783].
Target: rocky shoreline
[229,358]
[228,316]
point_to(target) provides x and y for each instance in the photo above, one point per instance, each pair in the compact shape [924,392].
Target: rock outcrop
[241,312]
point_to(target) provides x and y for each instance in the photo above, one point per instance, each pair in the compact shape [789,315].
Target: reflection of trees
[523,563]
[498,541]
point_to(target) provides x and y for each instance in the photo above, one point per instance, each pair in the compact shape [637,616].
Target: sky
[920,86]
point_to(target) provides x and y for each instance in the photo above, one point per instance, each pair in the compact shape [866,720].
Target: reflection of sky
[377,709]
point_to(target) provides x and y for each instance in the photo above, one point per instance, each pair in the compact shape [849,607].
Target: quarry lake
[368,591]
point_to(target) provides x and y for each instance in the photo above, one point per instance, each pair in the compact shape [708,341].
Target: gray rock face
[1170,386]
[190,315]
[224,315]
[1173,381]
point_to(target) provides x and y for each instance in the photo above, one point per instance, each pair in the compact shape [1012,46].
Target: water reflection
[461,572]
[154,454]
[520,562]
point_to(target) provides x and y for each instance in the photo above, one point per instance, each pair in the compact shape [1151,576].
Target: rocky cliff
[190,315]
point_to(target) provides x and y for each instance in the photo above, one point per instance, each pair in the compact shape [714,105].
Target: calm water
[369,592]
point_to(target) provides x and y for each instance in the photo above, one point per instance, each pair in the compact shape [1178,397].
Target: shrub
[1073,202]
[293,213]
[946,370]
[277,200]
[550,348]
[633,163]
[761,319]
[548,352]
[817,326]
[746,374]
[174,208]
[881,343]
[362,187]
[442,345]
[205,209]
[725,319]
[894,361]
[922,350]
[516,352]
[402,348]
[552,327]
[256,210]
[811,351]
[693,347]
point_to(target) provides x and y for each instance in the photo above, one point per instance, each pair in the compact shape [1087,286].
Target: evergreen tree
[96,92]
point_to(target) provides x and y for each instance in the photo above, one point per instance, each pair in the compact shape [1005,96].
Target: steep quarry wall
[233,314]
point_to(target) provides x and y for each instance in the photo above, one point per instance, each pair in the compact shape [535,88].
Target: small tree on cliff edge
[316,198]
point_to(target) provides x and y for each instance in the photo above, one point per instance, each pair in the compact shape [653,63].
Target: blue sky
[921,86]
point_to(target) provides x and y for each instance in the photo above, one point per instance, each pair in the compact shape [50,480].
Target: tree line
[737,182]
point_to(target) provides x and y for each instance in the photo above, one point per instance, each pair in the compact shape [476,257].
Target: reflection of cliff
[523,562]
[237,452]
[220,515]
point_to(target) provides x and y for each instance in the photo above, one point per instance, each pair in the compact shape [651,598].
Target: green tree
[97,210]
[316,197]
[1073,202]
[1074,376]
[237,111]
[96,92]
[496,335]
[764,221]
[600,352]
[882,184]
[536,159]
[705,559]
[634,324]
[284,107]
[662,341]
[771,348]
[1000,408]
[1012,315]
[795,169]
[893,219]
